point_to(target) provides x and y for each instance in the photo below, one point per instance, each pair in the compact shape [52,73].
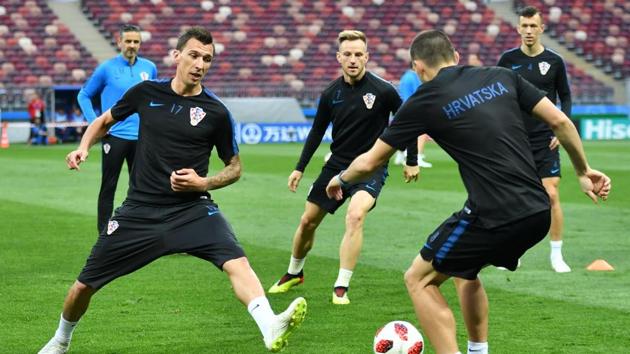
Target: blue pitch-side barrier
[577,110]
[265,133]
[595,123]
[605,129]
[607,124]
[603,122]
[15,116]
[599,110]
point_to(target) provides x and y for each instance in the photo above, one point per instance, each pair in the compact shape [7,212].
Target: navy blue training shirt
[548,73]
[359,113]
[474,114]
[175,132]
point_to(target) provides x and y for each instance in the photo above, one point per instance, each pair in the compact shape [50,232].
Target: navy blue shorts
[547,161]
[139,234]
[460,247]
[317,193]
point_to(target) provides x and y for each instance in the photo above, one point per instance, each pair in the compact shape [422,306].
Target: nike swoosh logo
[212,210]
[336,101]
[153,104]
[555,170]
[516,67]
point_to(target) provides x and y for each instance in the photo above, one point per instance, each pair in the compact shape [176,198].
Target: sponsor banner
[273,133]
[605,129]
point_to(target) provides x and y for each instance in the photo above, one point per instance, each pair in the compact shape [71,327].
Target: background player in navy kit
[359,105]
[168,209]
[110,81]
[546,70]
[474,114]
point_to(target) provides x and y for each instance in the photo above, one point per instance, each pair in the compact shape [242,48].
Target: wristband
[341,181]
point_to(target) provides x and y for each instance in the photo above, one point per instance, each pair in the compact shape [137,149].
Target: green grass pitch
[180,304]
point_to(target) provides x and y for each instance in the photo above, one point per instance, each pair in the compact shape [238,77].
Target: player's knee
[237,266]
[354,219]
[411,279]
[79,288]
[307,223]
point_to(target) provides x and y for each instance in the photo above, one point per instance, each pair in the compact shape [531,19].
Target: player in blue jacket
[110,81]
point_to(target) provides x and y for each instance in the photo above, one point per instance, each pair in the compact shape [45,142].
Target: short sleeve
[406,125]
[528,94]
[502,61]
[224,138]
[128,103]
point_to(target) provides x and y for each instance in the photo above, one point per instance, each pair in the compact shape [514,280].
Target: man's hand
[187,180]
[75,158]
[333,189]
[411,173]
[595,184]
[554,143]
[294,180]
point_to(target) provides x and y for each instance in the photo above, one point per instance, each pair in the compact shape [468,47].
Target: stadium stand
[282,48]
[286,48]
[598,30]
[36,49]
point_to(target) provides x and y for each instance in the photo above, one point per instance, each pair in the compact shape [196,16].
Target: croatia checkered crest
[196,115]
[398,337]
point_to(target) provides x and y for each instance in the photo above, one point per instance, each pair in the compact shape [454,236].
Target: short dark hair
[128,28]
[530,11]
[199,33]
[432,47]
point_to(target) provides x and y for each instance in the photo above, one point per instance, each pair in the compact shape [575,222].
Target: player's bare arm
[187,179]
[95,131]
[294,180]
[592,182]
[361,168]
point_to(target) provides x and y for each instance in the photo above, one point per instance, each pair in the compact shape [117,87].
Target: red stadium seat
[312,27]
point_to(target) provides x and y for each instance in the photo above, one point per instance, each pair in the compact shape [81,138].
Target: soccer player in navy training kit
[545,69]
[109,82]
[474,114]
[168,209]
[358,104]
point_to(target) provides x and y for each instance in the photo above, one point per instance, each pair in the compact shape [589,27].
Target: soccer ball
[398,337]
[327,156]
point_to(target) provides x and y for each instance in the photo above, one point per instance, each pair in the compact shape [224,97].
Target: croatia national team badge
[144,76]
[106,148]
[196,115]
[112,226]
[544,67]
[369,99]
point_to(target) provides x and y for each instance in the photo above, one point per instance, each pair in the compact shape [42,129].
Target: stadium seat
[33,34]
[262,42]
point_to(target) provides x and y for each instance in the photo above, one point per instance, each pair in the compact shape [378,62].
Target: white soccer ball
[327,156]
[398,337]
